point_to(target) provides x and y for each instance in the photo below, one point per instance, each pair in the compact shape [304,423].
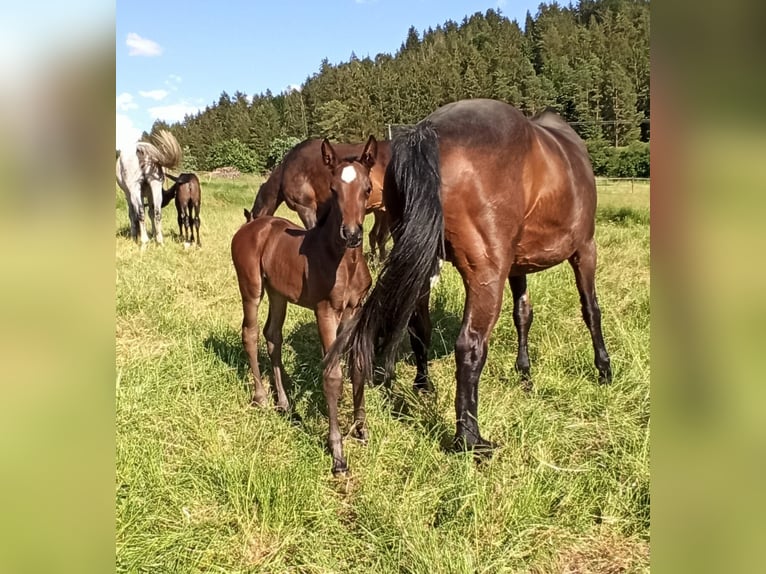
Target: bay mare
[500,196]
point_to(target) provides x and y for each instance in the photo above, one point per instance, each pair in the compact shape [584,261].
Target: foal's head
[350,186]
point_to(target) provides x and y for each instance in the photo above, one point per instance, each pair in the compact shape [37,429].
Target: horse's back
[511,185]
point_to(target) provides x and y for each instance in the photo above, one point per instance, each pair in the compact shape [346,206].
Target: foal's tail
[414,259]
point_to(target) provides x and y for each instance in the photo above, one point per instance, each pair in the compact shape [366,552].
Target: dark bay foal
[322,269]
[188,196]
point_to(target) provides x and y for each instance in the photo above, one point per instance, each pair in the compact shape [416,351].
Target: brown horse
[188,196]
[303,183]
[322,269]
[499,196]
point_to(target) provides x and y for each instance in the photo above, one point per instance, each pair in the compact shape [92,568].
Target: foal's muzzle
[352,236]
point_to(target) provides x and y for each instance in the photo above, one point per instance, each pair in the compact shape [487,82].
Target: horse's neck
[326,236]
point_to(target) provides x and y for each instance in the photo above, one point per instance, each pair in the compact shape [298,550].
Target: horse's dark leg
[273,334]
[332,385]
[374,234]
[482,308]
[420,340]
[179,209]
[584,265]
[250,302]
[185,212]
[383,234]
[522,319]
[196,223]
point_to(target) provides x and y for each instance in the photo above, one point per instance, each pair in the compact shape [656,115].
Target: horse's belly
[539,252]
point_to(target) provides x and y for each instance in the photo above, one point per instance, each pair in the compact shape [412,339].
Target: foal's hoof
[258,402]
[605,376]
[340,470]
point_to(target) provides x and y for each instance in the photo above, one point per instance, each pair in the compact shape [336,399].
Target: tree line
[589,61]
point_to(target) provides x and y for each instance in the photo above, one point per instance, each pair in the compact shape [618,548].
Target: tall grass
[206,483]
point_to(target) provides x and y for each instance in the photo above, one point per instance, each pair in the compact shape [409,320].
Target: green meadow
[207,483]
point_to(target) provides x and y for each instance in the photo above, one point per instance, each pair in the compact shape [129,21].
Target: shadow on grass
[303,382]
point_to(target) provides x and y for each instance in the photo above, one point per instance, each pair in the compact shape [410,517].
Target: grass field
[206,483]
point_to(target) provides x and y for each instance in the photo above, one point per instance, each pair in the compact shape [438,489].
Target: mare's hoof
[187,245]
[359,434]
[605,376]
[481,449]
[422,384]
[526,384]
[258,402]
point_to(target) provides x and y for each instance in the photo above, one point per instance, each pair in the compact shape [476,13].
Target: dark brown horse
[188,197]
[322,268]
[499,196]
[303,183]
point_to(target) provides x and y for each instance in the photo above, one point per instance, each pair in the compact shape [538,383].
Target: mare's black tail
[418,245]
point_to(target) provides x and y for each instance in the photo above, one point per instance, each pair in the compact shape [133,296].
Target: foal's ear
[370,153]
[328,154]
[247,215]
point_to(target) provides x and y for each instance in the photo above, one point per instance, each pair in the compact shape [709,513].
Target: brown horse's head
[350,186]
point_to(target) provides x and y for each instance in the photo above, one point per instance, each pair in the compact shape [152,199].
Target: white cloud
[125,102]
[173,80]
[501,3]
[142,46]
[154,94]
[127,133]
[173,112]
[293,87]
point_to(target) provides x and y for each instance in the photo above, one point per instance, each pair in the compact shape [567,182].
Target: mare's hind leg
[420,339]
[482,308]
[522,319]
[273,334]
[332,384]
[583,263]
[251,299]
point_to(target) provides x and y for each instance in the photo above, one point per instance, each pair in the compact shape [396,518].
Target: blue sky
[176,57]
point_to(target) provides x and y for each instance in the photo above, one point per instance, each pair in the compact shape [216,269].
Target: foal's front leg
[273,334]
[332,384]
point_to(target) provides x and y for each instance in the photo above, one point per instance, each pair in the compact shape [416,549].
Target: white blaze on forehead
[348,174]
